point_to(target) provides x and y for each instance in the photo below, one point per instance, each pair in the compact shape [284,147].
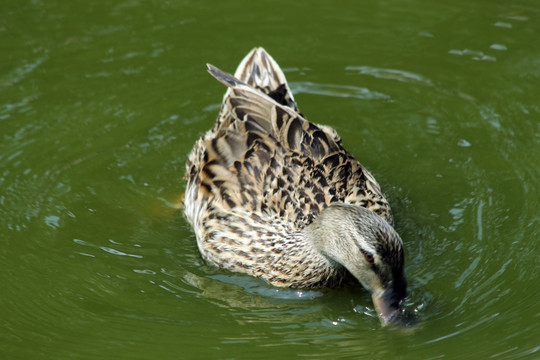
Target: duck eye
[369,257]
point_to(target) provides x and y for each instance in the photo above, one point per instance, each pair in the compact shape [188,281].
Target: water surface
[101,102]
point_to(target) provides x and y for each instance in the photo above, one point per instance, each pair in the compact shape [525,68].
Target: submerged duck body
[273,195]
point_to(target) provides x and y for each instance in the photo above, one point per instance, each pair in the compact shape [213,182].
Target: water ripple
[391,74]
[22,71]
[332,90]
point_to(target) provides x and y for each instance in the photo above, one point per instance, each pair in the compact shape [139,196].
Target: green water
[101,101]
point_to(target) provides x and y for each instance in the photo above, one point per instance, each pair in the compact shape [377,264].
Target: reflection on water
[257,287]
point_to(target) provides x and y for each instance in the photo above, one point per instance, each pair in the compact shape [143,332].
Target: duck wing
[264,158]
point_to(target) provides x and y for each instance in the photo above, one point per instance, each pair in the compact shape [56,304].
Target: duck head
[359,240]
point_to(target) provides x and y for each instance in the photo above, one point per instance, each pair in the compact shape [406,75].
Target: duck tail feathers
[260,71]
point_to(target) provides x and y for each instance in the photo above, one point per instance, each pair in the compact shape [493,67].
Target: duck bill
[388,304]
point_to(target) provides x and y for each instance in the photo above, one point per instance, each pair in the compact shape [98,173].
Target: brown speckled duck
[273,195]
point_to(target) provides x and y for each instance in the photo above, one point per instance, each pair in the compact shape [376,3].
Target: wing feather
[266,158]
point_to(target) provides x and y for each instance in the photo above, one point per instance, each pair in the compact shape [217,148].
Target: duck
[273,195]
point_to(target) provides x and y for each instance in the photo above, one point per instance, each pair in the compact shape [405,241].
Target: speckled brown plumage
[263,174]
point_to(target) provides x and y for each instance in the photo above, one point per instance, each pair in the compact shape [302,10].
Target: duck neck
[330,236]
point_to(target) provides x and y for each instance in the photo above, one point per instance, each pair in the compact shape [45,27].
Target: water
[101,102]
